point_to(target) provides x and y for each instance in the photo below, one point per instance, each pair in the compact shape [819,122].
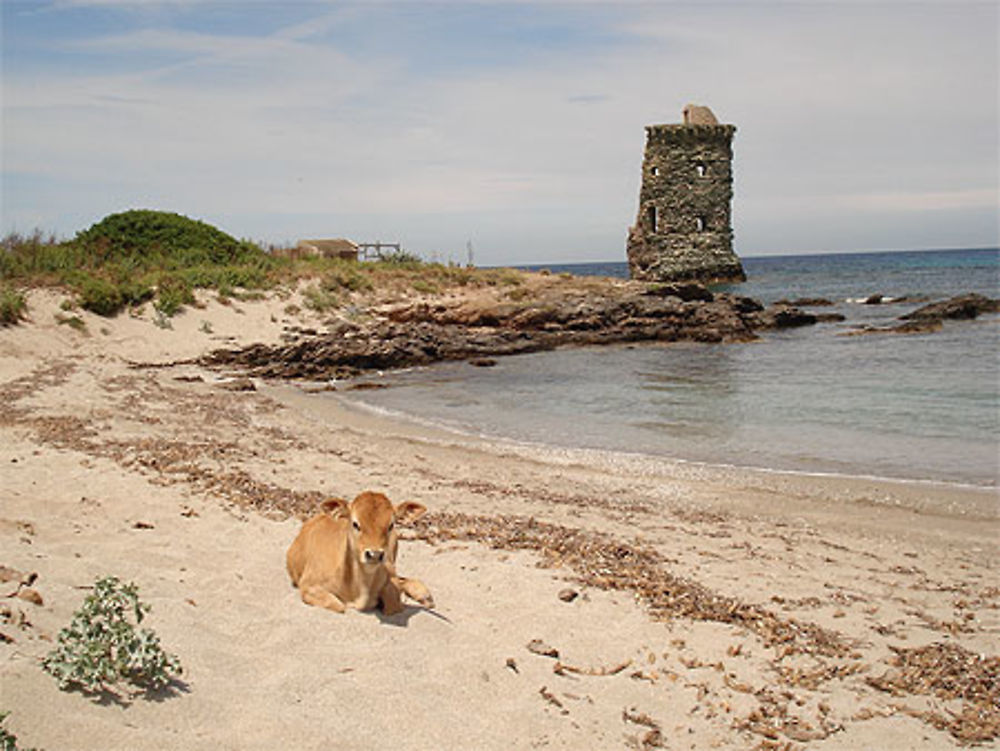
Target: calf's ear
[408,512]
[335,507]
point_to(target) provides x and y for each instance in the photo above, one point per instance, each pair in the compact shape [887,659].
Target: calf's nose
[374,556]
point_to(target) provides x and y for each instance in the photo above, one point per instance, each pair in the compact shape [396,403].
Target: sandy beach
[708,607]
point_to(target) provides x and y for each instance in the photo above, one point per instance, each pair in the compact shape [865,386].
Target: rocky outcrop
[420,333]
[960,307]
[930,318]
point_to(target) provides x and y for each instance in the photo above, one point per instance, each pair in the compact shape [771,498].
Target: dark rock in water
[874,299]
[783,317]
[929,318]
[747,305]
[830,317]
[367,386]
[806,302]
[686,291]
[483,362]
[925,326]
[961,307]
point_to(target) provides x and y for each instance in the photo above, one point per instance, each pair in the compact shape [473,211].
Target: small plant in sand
[12,306]
[102,646]
[8,741]
[161,320]
[74,322]
[320,299]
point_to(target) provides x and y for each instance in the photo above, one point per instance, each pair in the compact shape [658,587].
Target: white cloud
[266,127]
[952,200]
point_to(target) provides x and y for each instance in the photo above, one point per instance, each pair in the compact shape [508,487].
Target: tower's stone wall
[683,230]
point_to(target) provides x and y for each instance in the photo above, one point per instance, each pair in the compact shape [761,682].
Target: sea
[815,399]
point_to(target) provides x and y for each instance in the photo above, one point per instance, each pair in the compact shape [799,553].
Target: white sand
[90,447]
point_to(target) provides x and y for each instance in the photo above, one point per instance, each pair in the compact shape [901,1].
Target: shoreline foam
[985,498]
[960,501]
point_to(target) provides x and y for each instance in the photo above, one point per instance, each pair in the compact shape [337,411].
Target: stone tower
[684,227]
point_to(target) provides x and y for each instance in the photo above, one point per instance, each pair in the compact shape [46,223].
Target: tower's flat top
[684,128]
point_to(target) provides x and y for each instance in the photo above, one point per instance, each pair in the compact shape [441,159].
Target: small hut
[337,247]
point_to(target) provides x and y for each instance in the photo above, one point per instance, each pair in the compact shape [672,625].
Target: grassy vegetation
[135,257]
[12,306]
[74,322]
[130,258]
[8,741]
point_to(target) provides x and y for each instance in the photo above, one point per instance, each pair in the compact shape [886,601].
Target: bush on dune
[161,239]
[135,256]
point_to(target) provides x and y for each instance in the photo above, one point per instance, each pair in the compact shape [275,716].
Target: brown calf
[345,557]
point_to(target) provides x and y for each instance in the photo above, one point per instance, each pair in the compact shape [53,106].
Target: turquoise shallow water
[918,407]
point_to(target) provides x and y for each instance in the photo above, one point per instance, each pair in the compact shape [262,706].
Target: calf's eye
[355,524]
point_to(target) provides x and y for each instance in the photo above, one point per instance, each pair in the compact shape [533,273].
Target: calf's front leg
[314,594]
[389,597]
[415,590]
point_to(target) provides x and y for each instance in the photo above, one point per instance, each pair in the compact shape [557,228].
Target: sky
[515,127]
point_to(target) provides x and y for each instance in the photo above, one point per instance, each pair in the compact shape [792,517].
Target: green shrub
[345,275]
[101,646]
[401,258]
[158,236]
[459,275]
[74,322]
[8,741]
[424,286]
[12,306]
[100,296]
[319,299]
[510,278]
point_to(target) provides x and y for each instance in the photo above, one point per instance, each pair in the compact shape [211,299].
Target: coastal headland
[603,602]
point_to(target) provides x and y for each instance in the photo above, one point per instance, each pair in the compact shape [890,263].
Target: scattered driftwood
[540,648]
[561,668]
[551,699]
[651,739]
[18,584]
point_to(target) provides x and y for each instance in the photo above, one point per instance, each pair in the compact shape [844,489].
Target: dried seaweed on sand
[603,562]
[949,671]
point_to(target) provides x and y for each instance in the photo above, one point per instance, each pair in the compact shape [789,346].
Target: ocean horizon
[814,399]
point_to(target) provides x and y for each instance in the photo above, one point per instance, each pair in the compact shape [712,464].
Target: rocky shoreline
[419,333]
[551,315]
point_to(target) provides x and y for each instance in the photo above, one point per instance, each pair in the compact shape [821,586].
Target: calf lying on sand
[345,557]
